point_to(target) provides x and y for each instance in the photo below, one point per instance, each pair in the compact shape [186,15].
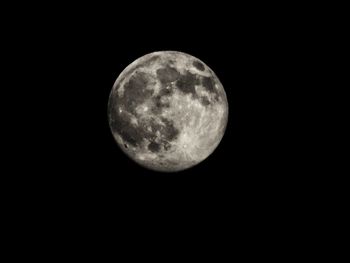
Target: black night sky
[80,55]
[249,63]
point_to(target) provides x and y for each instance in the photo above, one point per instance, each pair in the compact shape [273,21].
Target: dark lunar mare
[209,84]
[167,130]
[186,83]
[154,147]
[167,74]
[135,93]
[120,122]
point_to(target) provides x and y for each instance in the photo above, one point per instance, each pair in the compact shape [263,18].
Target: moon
[168,111]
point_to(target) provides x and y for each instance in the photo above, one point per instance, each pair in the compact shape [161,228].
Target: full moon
[168,111]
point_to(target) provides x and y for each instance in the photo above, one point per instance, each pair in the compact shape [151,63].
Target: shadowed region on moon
[135,93]
[198,65]
[187,82]
[168,111]
[167,74]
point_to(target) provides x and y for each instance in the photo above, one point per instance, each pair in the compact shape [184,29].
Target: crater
[198,65]
[167,74]
[204,101]
[154,147]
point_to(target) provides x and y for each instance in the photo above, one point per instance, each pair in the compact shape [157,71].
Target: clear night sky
[81,53]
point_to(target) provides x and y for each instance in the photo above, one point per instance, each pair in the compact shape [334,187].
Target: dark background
[252,159]
[69,181]
[75,55]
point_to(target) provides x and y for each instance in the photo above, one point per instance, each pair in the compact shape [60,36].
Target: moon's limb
[168,111]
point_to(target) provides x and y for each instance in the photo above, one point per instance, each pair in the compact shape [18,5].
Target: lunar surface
[168,111]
